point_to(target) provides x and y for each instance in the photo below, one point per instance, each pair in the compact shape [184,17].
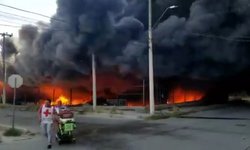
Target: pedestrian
[45,117]
[57,110]
[59,107]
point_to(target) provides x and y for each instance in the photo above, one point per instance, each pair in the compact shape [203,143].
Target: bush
[32,107]
[99,110]
[85,110]
[158,117]
[113,110]
[12,132]
[2,106]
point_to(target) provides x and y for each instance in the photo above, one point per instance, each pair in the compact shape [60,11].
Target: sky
[45,7]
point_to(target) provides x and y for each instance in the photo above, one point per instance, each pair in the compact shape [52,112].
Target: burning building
[202,39]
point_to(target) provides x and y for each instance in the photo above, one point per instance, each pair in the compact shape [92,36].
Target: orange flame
[63,99]
[181,95]
[66,96]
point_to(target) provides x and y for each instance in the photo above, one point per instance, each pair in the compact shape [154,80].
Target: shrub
[12,132]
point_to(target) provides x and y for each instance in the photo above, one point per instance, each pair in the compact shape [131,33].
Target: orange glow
[65,95]
[181,95]
[63,99]
[134,103]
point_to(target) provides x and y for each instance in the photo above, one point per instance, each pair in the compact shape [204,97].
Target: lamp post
[162,15]
[93,82]
[4,66]
[150,55]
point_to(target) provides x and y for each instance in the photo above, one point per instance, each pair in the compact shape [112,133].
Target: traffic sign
[15,81]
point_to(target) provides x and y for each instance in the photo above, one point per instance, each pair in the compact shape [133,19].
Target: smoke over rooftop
[201,38]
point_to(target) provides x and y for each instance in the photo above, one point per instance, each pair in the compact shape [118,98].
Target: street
[125,134]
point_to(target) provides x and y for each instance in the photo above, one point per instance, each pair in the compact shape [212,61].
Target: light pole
[4,66]
[162,15]
[150,55]
[93,82]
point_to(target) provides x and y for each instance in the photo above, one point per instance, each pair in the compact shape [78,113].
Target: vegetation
[146,110]
[84,110]
[2,106]
[174,112]
[115,111]
[12,132]
[99,110]
[32,107]
[157,117]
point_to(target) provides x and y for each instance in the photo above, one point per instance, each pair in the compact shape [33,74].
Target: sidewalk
[9,139]
[130,115]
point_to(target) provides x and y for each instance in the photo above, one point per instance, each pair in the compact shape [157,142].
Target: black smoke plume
[202,38]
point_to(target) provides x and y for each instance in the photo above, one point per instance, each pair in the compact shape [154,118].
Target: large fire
[63,99]
[109,87]
[71,96]
[181,95]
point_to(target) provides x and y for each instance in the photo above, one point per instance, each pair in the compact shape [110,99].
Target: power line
[8,25]
[40,28]
[235,39]
[9,21]
[14,19]
[19,16]
[31,12]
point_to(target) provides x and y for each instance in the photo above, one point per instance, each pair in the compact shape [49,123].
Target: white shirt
[58,109]
[46,115]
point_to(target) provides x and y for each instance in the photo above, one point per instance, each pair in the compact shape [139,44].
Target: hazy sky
[46,7]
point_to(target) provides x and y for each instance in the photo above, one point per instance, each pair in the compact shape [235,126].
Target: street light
[4,66]
[150,55]
[94,97]
[162,15]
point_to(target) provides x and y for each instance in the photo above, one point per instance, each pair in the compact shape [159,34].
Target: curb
[9,139]
[8,126]
[214,118]
[112,116]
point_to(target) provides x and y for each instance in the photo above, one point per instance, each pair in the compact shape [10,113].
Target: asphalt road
[124,134]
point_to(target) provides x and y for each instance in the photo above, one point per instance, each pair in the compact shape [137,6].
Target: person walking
[45,114]
[58,109]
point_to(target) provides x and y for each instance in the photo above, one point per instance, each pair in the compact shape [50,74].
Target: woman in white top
[45,115]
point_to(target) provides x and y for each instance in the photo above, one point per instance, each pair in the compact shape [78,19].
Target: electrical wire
[212,36]
[31,12]
[19,16]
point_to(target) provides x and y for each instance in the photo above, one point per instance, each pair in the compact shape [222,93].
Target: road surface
[124,134]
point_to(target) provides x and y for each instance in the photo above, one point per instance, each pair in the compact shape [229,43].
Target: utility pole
[150,55]
[143,96]
[53,95]
[70,96]
[4,66]
[93,82]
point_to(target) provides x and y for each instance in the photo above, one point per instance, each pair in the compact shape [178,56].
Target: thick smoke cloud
[208,43]
[63,51]
[10,47]
[205,38]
